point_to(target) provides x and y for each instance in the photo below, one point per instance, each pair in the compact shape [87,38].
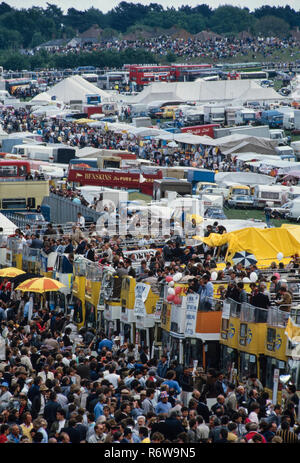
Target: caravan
[269,195]
[58,153]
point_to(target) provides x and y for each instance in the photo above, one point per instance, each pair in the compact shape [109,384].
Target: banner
[192,303]
[226,310]
[141,294]
[140,254]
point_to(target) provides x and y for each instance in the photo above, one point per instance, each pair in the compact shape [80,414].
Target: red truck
[207,129]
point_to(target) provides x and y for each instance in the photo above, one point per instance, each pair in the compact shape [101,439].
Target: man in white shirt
[112,377]
[202,429]
[80,220]
[46,374]
[253,415]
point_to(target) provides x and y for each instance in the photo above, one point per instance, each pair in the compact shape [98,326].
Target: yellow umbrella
[10,272]
[197,218]
[40,285]
[83,121]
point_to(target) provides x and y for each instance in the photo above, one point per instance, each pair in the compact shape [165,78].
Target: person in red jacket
[4,431]
[252,431]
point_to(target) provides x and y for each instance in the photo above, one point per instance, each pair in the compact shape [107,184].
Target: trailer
[201,130]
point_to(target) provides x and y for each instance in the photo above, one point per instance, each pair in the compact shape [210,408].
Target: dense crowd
[213,47]
[196,265]
[56,388]
[58,385]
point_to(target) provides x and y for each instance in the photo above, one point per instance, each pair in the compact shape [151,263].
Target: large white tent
[225,179]
[7,225]
[73,88]
[223,91]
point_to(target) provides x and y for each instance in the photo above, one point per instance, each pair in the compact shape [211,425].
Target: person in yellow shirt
[143,435]
[232,436]
[27,426]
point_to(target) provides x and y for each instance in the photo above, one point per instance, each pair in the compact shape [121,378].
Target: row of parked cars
[283,201]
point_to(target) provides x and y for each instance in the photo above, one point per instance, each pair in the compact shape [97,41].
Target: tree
[4,8]
[230,19]
[271,25]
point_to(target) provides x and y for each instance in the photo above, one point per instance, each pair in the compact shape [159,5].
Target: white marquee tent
[223,91]
[73,88]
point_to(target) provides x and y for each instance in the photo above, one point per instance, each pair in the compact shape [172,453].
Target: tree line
[27,28]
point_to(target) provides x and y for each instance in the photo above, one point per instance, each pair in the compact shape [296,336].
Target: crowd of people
[211,47]
[58,388]
[196,264]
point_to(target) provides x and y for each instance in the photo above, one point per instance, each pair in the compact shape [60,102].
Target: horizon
[107,5]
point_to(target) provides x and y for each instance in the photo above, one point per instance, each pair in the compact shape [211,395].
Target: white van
[294,193]
[289,121]
[269,195]
[294,210]
[286,152]
[215,191]
[201,186]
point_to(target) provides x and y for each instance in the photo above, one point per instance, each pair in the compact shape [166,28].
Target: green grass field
[246,214]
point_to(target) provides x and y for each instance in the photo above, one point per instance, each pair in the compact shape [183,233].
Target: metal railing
[248,313]
[210,304]
[64,210]
[277,317]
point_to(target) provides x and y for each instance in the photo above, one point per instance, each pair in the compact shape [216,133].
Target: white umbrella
[172,144]
[97,116]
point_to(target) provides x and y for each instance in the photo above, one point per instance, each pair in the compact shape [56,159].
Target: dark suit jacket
[203,410]
[173,428]
[50,411]
[161,427]
[36,405]
[73,433]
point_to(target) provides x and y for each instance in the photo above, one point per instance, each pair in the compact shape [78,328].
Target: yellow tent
[265,244]
[83,121]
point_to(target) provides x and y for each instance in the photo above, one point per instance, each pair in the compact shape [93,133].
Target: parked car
[214,213]
[241,201]
[281,212]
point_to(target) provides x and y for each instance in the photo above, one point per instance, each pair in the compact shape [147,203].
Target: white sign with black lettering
[226,311]
[192,303]
[141,294]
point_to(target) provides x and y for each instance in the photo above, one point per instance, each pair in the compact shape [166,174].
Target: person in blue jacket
[162,366]
[171,382]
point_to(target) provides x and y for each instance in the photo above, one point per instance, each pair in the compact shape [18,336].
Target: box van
[286,152]
[215,191]
[181,186]
[294,210]
[202,185]
[278,134]
[294,192]
[269,195]
[289,121]
[58,153]
[238,190]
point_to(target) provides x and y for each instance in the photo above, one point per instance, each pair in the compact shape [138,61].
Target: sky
[106,5]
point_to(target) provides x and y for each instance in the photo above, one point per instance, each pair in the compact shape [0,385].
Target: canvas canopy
[265,244]
[8,226]
[223,91]
[74,88]
[225,179]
